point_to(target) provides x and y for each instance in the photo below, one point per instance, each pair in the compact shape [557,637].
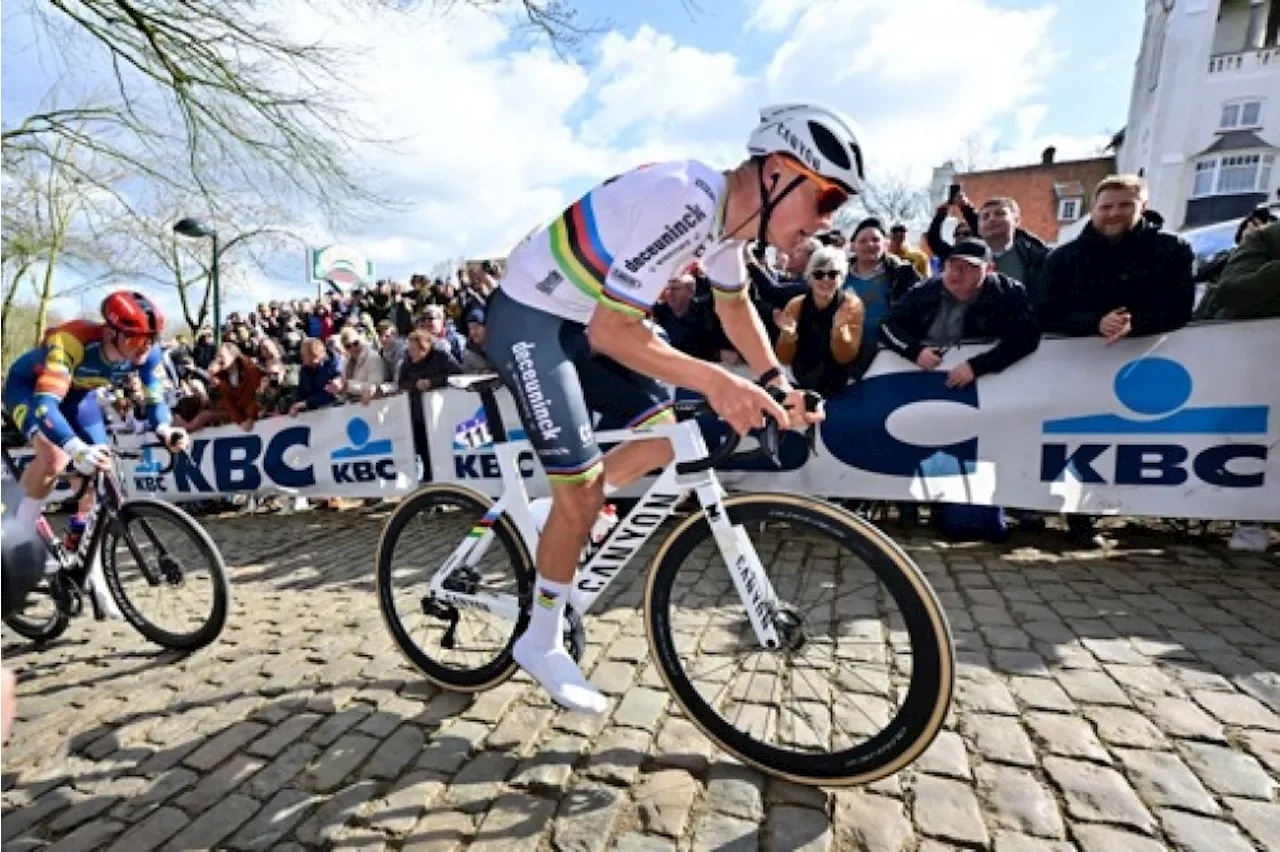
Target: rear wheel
[457,647]
[39,617]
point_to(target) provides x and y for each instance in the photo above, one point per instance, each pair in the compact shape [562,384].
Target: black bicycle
[151,552]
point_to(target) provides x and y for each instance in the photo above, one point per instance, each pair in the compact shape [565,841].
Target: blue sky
[501,134]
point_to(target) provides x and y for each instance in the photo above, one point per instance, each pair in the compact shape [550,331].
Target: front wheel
[40,618]
[862,678]
[154,552]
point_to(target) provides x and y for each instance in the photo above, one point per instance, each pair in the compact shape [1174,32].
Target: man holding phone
[965,228]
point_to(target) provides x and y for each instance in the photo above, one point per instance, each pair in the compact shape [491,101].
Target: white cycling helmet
[819,137]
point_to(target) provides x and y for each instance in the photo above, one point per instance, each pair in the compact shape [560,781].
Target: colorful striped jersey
[621,243]
[70,362]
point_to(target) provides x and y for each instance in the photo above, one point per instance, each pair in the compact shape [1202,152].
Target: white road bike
[793,633]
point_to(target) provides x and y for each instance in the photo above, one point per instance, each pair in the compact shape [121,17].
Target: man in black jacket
[1122,276]
[968,301]
[1018,253]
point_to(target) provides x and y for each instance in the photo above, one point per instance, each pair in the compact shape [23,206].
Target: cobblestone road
[1126,702]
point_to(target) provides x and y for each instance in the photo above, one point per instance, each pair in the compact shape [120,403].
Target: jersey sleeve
[667,217]
[726,266]
[60,354]
[152,375]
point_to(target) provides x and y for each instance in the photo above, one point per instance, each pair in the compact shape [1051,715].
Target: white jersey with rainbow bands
[621,243]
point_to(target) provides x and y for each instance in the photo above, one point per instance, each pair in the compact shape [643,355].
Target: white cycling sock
[29,509]
[546,620]
[540,651]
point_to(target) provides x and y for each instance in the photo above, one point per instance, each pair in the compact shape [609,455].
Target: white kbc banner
[1175,425]
[350,451]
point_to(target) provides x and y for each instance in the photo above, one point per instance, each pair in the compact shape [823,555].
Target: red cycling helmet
[130,312]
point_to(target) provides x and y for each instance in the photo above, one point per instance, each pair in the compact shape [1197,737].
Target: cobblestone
[1016,800]
[948,809]
[1095,793]
[1163,780]
[1105,701]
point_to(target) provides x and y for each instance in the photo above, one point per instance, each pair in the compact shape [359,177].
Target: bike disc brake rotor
[171,570]
[789,623]
[575,634]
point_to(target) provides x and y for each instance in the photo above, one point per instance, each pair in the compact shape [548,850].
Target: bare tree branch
[894,197]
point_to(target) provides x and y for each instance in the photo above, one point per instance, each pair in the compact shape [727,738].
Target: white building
[1204,114]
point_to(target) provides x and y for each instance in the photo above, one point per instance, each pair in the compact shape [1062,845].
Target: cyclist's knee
[50,459]
[580,502]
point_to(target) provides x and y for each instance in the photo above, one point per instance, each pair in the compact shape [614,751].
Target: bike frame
[606,561]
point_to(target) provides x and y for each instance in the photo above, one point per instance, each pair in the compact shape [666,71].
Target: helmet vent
[830,147]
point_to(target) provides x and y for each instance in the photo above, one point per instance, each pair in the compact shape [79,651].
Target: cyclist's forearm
[746,332]
[626,341]
[158,414]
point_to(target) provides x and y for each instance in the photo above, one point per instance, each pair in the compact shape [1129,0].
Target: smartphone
[953,193]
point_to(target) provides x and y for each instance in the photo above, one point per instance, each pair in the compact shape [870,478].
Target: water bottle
[608,517]
[605,522]
[76,525]
[540,508]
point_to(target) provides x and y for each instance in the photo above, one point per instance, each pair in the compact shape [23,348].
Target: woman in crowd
[428,364]
[238,379]
[820,332]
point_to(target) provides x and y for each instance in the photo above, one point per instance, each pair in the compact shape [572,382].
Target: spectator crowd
[296,355]
[829,306]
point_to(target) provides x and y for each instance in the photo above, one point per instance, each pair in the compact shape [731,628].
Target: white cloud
[649,82]
[919,75]
[1027,120]
[774,15]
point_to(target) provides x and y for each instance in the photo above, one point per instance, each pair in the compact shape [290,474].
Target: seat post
[492,414]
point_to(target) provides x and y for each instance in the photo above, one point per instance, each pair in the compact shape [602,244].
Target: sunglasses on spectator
[831,274]
[831,196]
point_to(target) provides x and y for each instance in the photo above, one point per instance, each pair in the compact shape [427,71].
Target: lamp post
[191,227]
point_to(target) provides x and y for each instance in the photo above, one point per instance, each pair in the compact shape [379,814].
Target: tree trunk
[46,293]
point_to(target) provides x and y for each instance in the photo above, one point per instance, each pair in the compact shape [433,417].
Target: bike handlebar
[770,437]
[137,455]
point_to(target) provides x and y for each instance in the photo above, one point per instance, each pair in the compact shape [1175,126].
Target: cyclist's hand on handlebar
[88,458]
[743,404]
[174,437]
[798,408]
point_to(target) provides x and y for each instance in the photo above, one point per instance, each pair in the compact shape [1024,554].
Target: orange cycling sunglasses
[135,341]
[831,195]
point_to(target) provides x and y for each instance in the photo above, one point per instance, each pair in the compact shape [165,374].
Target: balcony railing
[1246,61]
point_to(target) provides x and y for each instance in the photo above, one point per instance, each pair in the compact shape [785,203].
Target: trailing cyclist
[566,329]
[50,394]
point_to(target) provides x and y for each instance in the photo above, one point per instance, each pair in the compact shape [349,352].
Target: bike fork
[743,564]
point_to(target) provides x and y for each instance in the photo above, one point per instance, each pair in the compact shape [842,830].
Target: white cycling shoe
[560,676]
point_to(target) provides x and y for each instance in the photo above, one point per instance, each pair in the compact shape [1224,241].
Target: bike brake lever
[812,402]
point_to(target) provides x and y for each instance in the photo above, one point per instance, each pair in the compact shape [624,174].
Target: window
[1240,114]
[1232,174]
[1068,209]
[1206,170]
